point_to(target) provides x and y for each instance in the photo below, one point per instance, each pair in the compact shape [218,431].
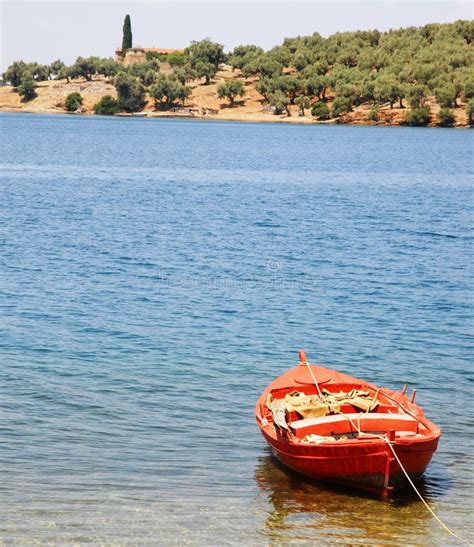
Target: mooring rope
[361,433]
[421,497]
[390,445]
[314,380]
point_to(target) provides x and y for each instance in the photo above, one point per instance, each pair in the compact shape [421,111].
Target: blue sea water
[156,275]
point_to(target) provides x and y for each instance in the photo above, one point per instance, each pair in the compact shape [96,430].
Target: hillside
[203,103]
[365,77]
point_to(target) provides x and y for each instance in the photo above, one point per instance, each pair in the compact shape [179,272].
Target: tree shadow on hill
[25,100]
[237,103]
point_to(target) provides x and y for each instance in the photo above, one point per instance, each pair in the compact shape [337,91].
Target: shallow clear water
[157,275]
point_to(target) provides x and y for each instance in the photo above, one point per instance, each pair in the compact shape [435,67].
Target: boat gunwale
[372,440]
[432,433]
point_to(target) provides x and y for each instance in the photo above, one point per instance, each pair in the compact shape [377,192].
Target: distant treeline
[367,67]
[330,75]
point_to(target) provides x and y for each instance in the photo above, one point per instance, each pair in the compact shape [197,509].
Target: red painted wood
[365,462]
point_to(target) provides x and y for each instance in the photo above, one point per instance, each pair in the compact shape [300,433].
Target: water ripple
[156,276]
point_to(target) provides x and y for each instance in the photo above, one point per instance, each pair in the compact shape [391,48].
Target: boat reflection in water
[300,509]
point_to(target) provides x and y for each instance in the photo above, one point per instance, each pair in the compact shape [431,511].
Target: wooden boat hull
[363,467]
[365,463]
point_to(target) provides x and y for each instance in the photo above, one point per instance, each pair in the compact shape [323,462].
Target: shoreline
[204,104]
[234,119]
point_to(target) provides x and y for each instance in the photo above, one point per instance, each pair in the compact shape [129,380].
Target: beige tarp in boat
[313,406]
[308,406]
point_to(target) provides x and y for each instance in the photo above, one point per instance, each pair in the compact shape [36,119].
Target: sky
[44,31]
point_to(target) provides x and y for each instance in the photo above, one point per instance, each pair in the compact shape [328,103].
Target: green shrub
[374,114]
[321,111]
[445,117]
[175,59]
[418,116]
[107,106]
[341,105]
[470,112]
[152,55]
[73,101]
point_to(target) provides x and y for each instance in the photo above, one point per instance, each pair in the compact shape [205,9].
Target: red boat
[336,428]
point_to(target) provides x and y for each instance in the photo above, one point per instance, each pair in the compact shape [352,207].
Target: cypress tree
[127,34]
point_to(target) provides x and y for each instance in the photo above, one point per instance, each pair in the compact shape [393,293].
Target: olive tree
[303,102]
[107,67]
[185,74]
[14,73]
[417,95]
[470,112]
[230,90]
[27,87]
[388,90]
[85,67]
[167,90]
[205,57]
[341,105]
[130,91]
[280,102]
[56,67]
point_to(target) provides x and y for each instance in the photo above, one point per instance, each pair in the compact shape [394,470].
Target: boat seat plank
[326,425]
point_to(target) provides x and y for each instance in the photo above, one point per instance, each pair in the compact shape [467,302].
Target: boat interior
[340,412]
